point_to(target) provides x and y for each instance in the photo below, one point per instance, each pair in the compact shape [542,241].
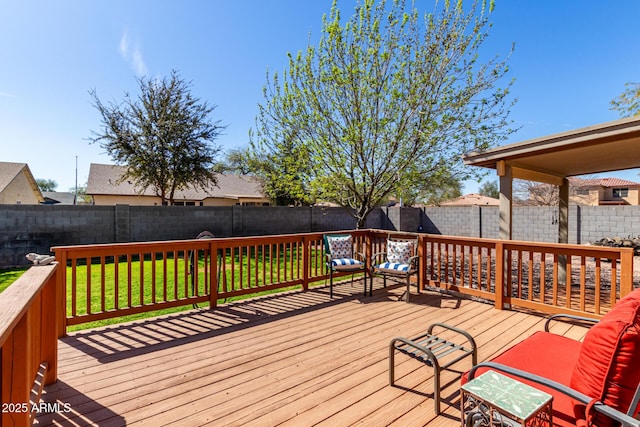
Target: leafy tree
[284,172]
[387,95]
[490,189]
[447,188]
[164,137]
[82,194]
[627,104]
[235,161]
[433,191]
[46,184]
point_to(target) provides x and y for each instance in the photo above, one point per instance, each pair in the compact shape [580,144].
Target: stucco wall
[107,200]
[19,191]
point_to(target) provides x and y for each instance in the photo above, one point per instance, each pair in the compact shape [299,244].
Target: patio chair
[399,260]
[341,257]
[595,382]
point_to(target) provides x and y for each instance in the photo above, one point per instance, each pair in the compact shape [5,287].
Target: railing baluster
[88,288]
[614,282]
[153,277]
[141,278]
[568,283]
[103,266]
[74,287]
[583,282]
[597,285]
[555,279]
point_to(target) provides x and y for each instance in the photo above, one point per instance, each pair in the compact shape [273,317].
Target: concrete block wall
[25,228]
[535,223]
[453,221]
[488,223]
[30,228]
[597,222]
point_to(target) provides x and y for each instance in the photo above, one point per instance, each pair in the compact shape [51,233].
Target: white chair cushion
[345,261]
[393,266]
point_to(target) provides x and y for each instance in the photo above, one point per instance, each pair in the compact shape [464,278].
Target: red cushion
[607,366]
[550,356]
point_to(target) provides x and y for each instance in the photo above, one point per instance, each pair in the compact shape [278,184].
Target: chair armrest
[568,318]
[377,254]
[612,413]
[413,260]
[361,256]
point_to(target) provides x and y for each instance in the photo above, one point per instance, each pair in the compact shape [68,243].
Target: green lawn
[148,288]
[9,276]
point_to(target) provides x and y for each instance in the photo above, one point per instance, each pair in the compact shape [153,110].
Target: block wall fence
[25,229]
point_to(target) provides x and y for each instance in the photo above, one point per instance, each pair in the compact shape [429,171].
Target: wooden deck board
[291,359]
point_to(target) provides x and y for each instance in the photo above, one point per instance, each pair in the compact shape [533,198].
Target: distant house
[106,187]
[58,198]
[472,199]
[604,191]
[591,192]
[18,186]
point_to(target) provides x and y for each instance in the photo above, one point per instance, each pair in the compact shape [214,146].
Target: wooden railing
[108,281]
[28,342]
[551,278]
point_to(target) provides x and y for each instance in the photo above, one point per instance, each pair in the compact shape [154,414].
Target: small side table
[493,399]
[434,351]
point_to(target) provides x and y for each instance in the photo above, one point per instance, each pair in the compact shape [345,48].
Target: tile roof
[105,180]
[472,199]
[604,182]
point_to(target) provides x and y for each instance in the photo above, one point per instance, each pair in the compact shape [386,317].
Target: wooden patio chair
[595,382]
[400,259]
[341,256]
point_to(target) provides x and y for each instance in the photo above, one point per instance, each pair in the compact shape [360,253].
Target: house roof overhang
[600,148]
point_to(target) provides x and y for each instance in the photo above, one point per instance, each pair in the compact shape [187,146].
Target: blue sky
[571,58]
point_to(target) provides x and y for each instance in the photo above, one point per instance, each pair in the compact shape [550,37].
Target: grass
[7,277]
[143,293]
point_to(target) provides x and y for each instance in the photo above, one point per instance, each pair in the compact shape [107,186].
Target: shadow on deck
[297,358]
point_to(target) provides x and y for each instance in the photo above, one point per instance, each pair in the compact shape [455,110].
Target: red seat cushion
[550,356]
[607,367]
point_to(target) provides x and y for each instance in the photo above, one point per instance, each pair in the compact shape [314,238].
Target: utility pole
[75,198]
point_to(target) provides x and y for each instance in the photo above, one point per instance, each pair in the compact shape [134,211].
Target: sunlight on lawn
[7,277]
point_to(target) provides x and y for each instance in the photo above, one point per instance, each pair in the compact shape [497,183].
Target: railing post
[16,384]
[626,272]
[368,251]
[213,274]
[61,293]
[422,262]
[499,287]
[306,253]
[48,327]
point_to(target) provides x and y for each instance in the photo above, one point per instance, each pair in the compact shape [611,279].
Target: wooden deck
[295,359]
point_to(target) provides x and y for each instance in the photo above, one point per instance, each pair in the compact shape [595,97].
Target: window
[582,191]
[620,192]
